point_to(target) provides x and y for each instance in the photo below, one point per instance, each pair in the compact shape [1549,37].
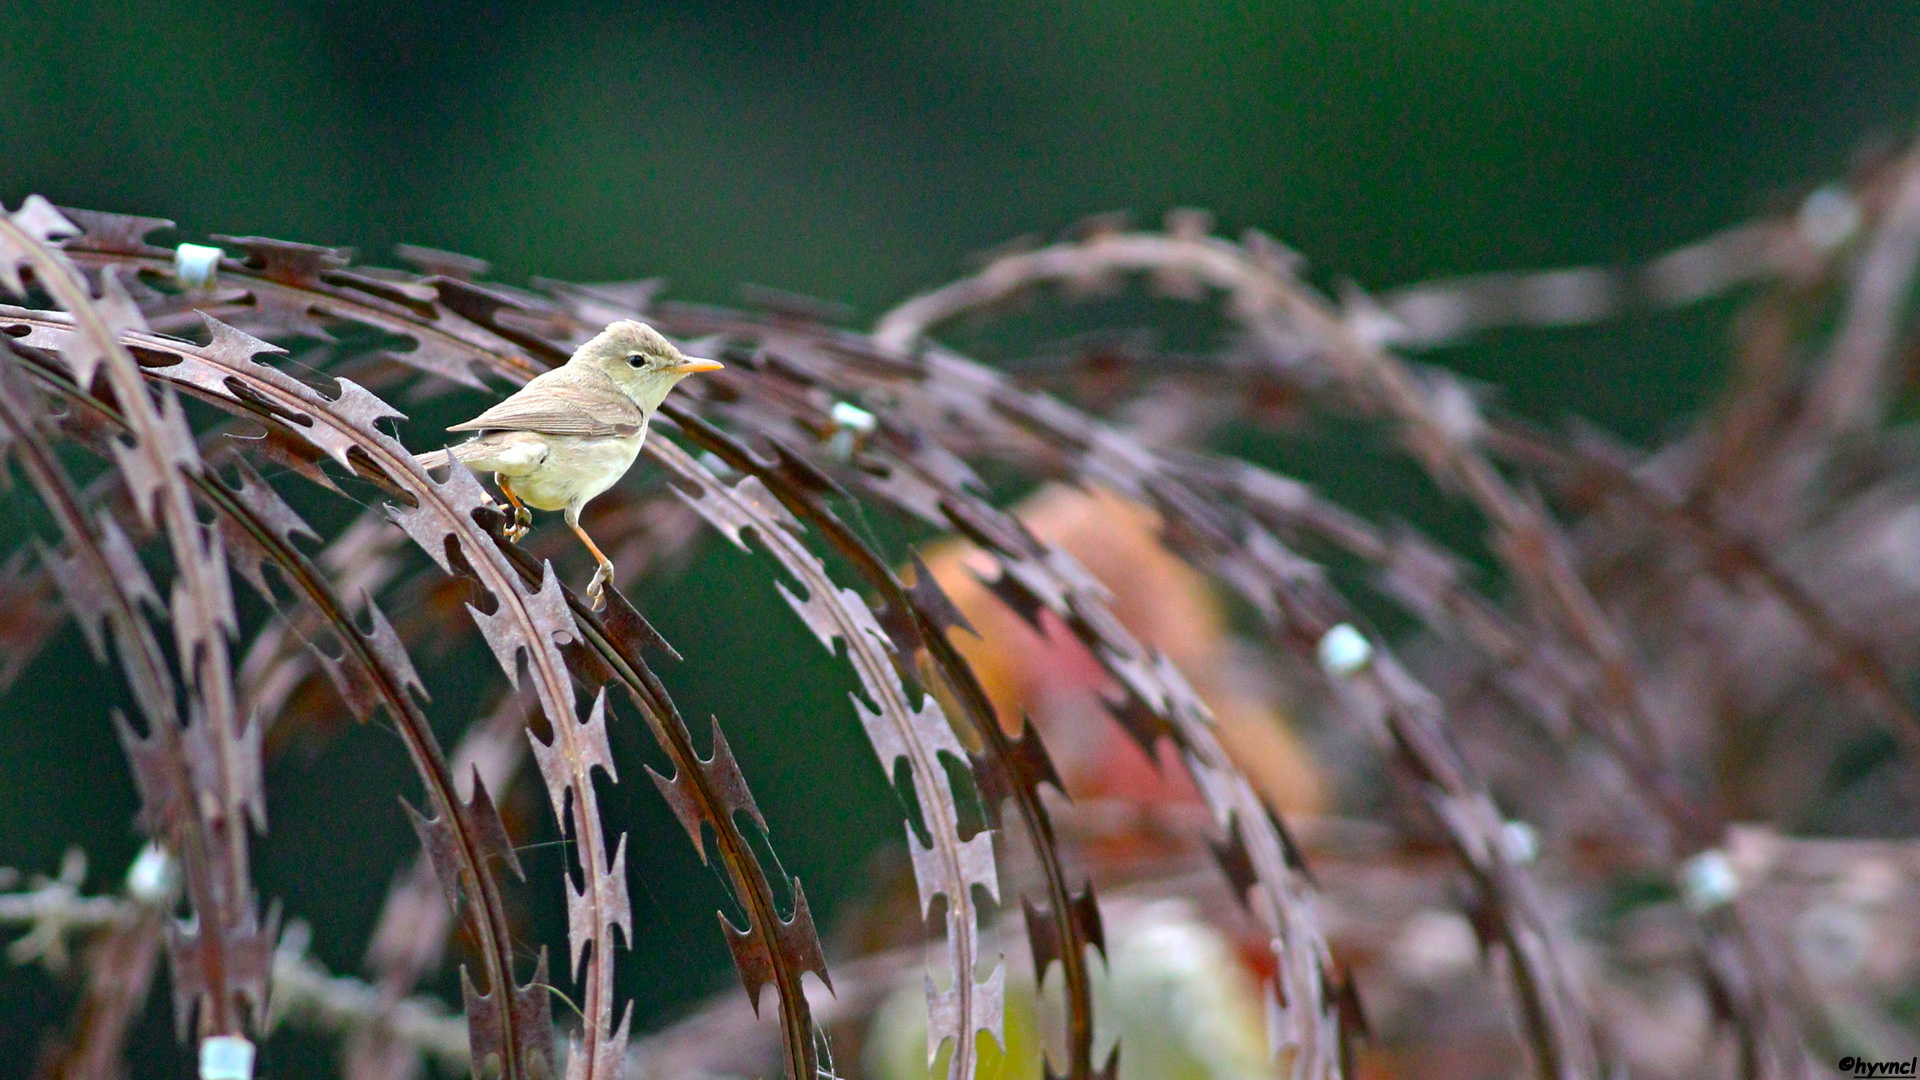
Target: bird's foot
[520,525]
[597,588]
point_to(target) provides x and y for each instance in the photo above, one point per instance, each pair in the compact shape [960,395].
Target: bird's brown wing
[565,401]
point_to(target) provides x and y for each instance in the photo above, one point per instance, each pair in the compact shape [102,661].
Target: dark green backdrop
[860,152]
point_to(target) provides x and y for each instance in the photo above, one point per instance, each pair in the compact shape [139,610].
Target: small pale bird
[571,432]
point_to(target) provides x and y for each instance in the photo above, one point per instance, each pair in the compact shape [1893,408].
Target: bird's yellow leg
[522,517]
[596,589]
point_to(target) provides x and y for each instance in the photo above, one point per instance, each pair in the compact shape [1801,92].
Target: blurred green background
[859,153]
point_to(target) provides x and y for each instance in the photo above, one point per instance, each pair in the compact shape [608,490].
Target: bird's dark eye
[636,361]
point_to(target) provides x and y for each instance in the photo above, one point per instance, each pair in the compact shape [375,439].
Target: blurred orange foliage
[1164,603]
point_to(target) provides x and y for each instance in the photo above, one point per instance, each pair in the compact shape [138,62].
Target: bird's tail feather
[432,459]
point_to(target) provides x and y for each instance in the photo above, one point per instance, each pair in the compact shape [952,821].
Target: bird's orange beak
[693,365]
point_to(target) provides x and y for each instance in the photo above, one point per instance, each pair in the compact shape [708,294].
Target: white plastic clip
[853,418]
[1343,651]
[195,266]
[1519,842]
[1708,881]
[1829,217]
[850,423]
[152,877]
[226,1057]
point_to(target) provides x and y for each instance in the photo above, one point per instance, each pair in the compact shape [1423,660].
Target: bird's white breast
[577,469]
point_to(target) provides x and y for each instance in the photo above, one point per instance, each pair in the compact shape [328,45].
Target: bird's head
[640,361]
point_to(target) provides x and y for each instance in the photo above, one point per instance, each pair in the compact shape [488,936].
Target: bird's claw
[518,525]
[597,588]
